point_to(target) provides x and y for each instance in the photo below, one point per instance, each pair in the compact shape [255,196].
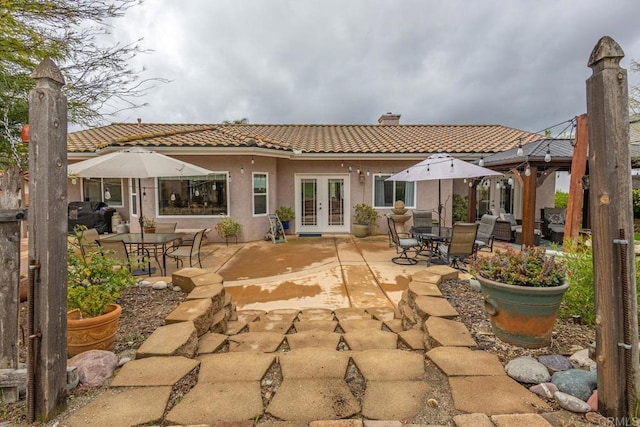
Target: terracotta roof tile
[307,138]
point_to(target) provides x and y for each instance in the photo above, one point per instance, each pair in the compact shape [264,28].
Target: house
[321,171]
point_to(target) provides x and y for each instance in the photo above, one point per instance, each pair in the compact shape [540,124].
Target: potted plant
[93,288]
[522,293]
[228,227]
[285,214]
[148,224]
[366,217]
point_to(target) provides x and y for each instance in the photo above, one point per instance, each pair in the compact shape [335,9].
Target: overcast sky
[517,63]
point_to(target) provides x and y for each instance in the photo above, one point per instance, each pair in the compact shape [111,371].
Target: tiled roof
[306,138]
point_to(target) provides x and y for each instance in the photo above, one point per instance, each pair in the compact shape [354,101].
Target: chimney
[389,119]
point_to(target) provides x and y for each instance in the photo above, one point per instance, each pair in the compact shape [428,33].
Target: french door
[322,203]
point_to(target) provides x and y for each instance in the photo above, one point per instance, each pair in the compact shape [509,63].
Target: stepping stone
[283,315]
[207,279]
[234,367]
[383,313]
[408,317]
[357,324]
[462,361]
[394,325]
[135,406]
[199,311]
[316,314]
[529,420]
[413,338]
[211,342]
[319,325]
[441,332]
[183,278]
[215,293]
[444,271]
[208,403]
[178,339]
[424,289]
[389,365]
[493,395]
[269,326]
[235,327]
[351,314]
[314,363]
[426,276]
[393,400]
[249,316]
[432,306]
[314,339]
[473,420]
[219,322]
[367,339]
[264,342]
[154,371]
[312,399]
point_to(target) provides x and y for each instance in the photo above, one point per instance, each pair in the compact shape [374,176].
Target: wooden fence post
[576,190]
[47,368]
[612,230]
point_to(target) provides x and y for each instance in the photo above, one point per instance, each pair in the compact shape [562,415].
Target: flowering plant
[531,266]
[228,227]
[148,222]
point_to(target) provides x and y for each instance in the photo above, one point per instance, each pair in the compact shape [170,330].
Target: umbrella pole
[439,207]
[140,219]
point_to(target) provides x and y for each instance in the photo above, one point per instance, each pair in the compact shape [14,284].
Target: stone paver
[199,311]
[236,327]
[425,289]
[313,399]
[266,342]
[473,420]
[394,325]
[529,420]
[356,324]
[462,361]
[316,314]
[393,400]
[210,343]
[433,306]
[208,403]
[150,403]
[284,315]
[351,314]
[154,371]
[209,278]
[427,276]
[280,327]
[320,325]
[248,316]
[314,363]
[367,339]
[413,338]
[493,395]
[314,339]
[446,333]
[389,365]
[383,313]
[178,339]
[444,271]
[213,292]
[234,366]
[182,278]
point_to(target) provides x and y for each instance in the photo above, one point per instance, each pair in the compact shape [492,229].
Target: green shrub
[459,209]
[228,227]
[561,199]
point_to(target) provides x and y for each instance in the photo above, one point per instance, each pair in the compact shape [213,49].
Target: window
[387,192]
[260,193]
[134,196]
[107,190]
[194,195]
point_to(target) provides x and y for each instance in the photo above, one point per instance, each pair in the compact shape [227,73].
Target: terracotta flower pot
[93,333]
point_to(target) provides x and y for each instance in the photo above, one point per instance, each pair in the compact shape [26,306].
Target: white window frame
[228,195]
[254,194]
[387,175]
[102,189]
[133,197]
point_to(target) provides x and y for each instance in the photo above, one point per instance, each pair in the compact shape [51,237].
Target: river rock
[95,367]
[581,358]
[593,401]
[576,382]
[159,285]
[527,370]
[555,362]
[571,403]
[544,389]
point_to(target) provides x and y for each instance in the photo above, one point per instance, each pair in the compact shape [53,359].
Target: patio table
[155,240]
[430,241]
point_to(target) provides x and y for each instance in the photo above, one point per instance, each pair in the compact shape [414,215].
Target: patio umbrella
[135,163]
[438,167]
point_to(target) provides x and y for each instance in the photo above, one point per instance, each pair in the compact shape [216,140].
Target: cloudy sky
[515,63]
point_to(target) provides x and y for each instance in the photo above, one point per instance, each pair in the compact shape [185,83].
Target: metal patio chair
[130,259]
[485,237]
[462,245]
[180,253]
[403,245]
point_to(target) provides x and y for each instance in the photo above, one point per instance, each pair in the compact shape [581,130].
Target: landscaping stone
[317,325]
[351,325]
[413,338]
[383,313]
[207,279]
[198,311]
[528,420]
[351,314]
[426,276]
[211,342]
[444,271]
[269,326]
[235,327]
[527,370]
[94,367]
[389,365]
[160,285]
[214,292]
[581,358]
[462,361]
[313,363]
[315,314]
[314,339]
[432,306]
[473,420]
[555,362]
[248,316]
[576,382]
[426,289]
[393,400]
[266,342]
[154,371]
[394,325]
[445,332]
[283,315]
[177,339]
[366,339]
[544,389]
[571,403]
[234,367]
[474,284]
[219,322]
[593,401]
[182,278]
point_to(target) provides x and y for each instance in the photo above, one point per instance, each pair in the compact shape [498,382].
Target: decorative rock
[176,288]
[581,358]
[527,370]
[555,362]
[474,284]
[94,366]
[571,403]
[159,285]
[593,401]
[544,389]
[575,382]
[123,361]
[144,284]
[73,379]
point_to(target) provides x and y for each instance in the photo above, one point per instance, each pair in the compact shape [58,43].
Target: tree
[99,79]
[242,121]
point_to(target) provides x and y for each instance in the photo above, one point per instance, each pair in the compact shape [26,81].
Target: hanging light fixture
[451,168]
[173,197]
[510,181]
[547,157]
[527,170]
[241,169]
[253,161]
[470,184]
[196,193]
[497,185]
[486,184]
[520,151]
[107,194]
[481,162]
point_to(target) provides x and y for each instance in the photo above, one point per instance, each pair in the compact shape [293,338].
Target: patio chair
[403,245]
[89,241]
[166,227]
[462,245]
[422,222]
[180,253]
[118,250]
[485,237]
